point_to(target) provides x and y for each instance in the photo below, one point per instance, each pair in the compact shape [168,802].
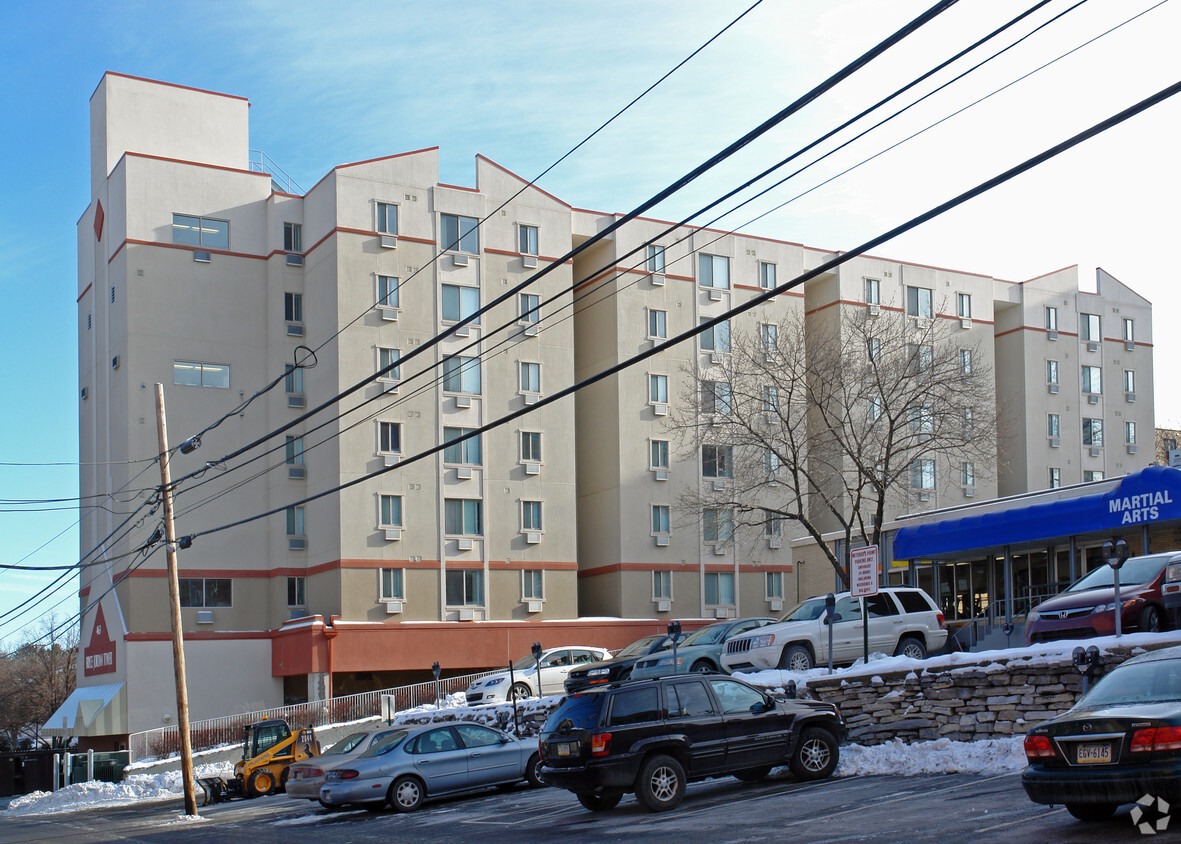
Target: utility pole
[178,653]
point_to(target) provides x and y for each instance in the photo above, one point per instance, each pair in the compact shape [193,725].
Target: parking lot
[943,808]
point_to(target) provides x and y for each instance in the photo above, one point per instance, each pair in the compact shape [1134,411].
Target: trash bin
[108,766]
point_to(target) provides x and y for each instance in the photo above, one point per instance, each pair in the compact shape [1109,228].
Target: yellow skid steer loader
[269,749]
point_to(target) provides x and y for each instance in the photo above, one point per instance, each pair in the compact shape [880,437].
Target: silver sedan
[305,778]
[420,762]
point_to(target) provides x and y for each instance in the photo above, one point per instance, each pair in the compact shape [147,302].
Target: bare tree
[836,426]
[35,679]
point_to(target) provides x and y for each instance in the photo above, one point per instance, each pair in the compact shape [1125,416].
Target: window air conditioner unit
[85,393]
[1051,334]
[721,612]
[1053,388]
[965,323]
[297,543]
[532,468]
[389,386]
[464,544]
[1055,442]
[202,257]
[924,496]
[531,329]
[969,491]
[1092,346]
[716,358]
[463,473]
[467,615]
[533,538]
[529,262]
[463,401]
[390,459]
[462,331]
[656,280]
[664,606]
[532,398]
[1132,449]
[393,534]
[389,241]
[1130,396]
[660,474]
[388,314]
[533,606]
[1129,346]
[294,260]
[297,473]
[715,295]
[776,605]
[295,329]
[1094,452]
[296,401]
[719,550]
[458,260]
[660,409]
[393,607]
[775,542]
[205,616]
[874,310]
[115,362]
[662,541]
[1092,399]
[719,486]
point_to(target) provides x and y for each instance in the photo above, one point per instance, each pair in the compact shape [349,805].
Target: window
[1092,379]
[659,454]
[713,271]
[1091,475]
[719,587]
[766,275]
[467,452]
[963,305]
[459,303]
[769,337]
[463,516]
[1129,381]
[533,585]
[873,408]
[1051,372]
[655,258]
[387,218]
[1130,433]
[918,302]
[873,348]
[967,474]
[392,588]
[195,374]
[1129,331]
[296,592]
[389,437]
[1053,425]
[770,461]
[966,361]
[206,592]
[716,338]
[294,451]
[387,364]
[293,307]
[715,397]
[657,323]
[465,588]
[293,381]
[717,461]
[1051,319]
[1093,432]
[771,399]
[530,377]
[531,515]
[772,523]
[460,234]
[1055,478]
[292,237]
[391,511]
[635,707]
[966,418]
[527,240]
[658,389]
[660,521]
[922,420]
[922,474]
[531,446]
[295,526]
[528,305]
[920,359]
[719,524]
[1169,443]
[1089,327]
[662,585]
[774,581]
[461,375]
[200,231]
[873,291]
[688,700]
[387,291]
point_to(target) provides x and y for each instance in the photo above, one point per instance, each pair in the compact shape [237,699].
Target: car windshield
[638,647]
[1135,570]
[710,635]
[809,610]
[385,744]
[577,712]
[1143,682]
[346,744]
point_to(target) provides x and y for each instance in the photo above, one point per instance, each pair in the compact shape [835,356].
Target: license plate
[564,749]
[1096,753]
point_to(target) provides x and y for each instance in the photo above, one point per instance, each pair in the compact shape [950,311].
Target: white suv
[902,621]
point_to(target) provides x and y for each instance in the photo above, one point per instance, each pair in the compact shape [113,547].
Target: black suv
[654,736]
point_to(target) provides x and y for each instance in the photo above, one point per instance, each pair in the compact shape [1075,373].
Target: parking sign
[863,571]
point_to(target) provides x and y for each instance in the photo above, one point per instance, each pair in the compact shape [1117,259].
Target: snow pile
[942,756]
[135,788]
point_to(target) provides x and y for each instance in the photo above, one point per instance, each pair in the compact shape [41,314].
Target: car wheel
[519,691]
[406,794]
[795,658]
[260,784]
[602,802]
[816,755]
[753,774]
[703,666]
[1150,619]
[911,647]
[1091,811]
[661,784]
[531,775]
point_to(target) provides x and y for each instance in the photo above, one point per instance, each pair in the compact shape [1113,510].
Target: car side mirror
[758,706]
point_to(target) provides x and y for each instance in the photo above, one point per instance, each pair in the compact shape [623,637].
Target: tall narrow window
[873,408]
[294,451]
[460,234]
[391,511]
[774,585]
[530,377]
[1093,432]
[772,523]
[292,237]
[718,524]
[873,291]
[1051,319]
[963,305]
[1130,433]
[873,349]
[527,240]
[660,521]
[387,364]
[533,585]
[966,361]
[1129,331]
[527,307]
[766,275]
[922,474]
[657,324]
[1053,425]
[391,585]
[770,461]
[531,515]
[293,307]
[967,474]
[717,461]
[389,437]
[769,337]
[387,292]
[662,585]
[918,302]
[1051,372]
[531,446]
[387,218]
[716,397]
[296,592]
[659,454]
[1129,381]
[1090,327]
[461,375]
[770,398]
[655,258]
[293,381]
[295,525]
[716,338]
[658,389]
[1092,378]
[1055,477]
[713,271]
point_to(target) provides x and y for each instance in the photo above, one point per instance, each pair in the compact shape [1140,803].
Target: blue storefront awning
[1146,497]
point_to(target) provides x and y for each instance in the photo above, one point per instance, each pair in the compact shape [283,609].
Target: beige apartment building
[199,271]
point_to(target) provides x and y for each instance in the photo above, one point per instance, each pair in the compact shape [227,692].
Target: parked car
[902,620]
[651,737]
[305,778]
[1171,592]
[421,762]
[618,667]
[1087,608]
[1120,742]
[701,650]
[524,682]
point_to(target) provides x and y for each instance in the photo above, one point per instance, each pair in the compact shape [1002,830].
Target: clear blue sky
[521,83]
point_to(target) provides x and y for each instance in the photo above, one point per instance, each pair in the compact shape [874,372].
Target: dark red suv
[652,737]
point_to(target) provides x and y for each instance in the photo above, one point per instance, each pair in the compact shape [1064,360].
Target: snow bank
[943,756]
[135,788]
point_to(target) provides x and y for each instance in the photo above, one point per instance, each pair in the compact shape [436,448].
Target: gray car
[416,763]
[701,651]
[305,778]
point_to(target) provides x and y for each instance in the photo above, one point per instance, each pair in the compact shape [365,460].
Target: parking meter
[437,671]
[830,610]
[537,664]
[1116,553]
[674,633]
[1087,663]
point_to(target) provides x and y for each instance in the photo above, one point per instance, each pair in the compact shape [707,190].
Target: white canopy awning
[91,711]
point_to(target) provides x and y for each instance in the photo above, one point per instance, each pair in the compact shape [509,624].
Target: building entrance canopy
[1147,497]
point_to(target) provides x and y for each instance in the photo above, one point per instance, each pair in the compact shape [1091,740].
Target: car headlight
[762,641]
[598,672]
[1103,608]
[1033,616]
[495,681]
